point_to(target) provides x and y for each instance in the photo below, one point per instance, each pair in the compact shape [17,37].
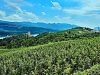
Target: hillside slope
[25,40]
[62,58]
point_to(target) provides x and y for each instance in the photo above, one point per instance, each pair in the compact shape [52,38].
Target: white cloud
[13,17]
[2,14]
[56,5]
[60,19]
[17,4]
[13,5]
[74,11]
[43,13]
[29,16]
[24,16]
[92,7]
[18,14]
[88,7]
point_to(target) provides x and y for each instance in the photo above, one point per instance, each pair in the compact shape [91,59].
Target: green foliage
[22,40]
[95,70]
[25,40]
[61,58]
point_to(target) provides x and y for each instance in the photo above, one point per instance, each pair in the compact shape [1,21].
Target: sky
[79,12]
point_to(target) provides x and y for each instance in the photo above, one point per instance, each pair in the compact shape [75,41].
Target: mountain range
[10,28]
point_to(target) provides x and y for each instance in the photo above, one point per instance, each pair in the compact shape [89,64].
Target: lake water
[34,35]
[2,37]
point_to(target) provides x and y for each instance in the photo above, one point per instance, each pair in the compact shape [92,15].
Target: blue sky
[79,12]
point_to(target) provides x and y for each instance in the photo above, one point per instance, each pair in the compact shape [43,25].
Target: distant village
[30,34]
[97,31]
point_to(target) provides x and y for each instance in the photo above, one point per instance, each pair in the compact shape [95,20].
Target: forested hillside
[79,57]
[25,40]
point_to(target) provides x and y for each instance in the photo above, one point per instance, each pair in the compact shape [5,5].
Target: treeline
[25,40]
[62,58]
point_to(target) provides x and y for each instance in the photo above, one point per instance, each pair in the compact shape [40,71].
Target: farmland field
[59,58]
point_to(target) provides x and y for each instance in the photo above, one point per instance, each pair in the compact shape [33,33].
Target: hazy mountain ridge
[54,26]
[9,28]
